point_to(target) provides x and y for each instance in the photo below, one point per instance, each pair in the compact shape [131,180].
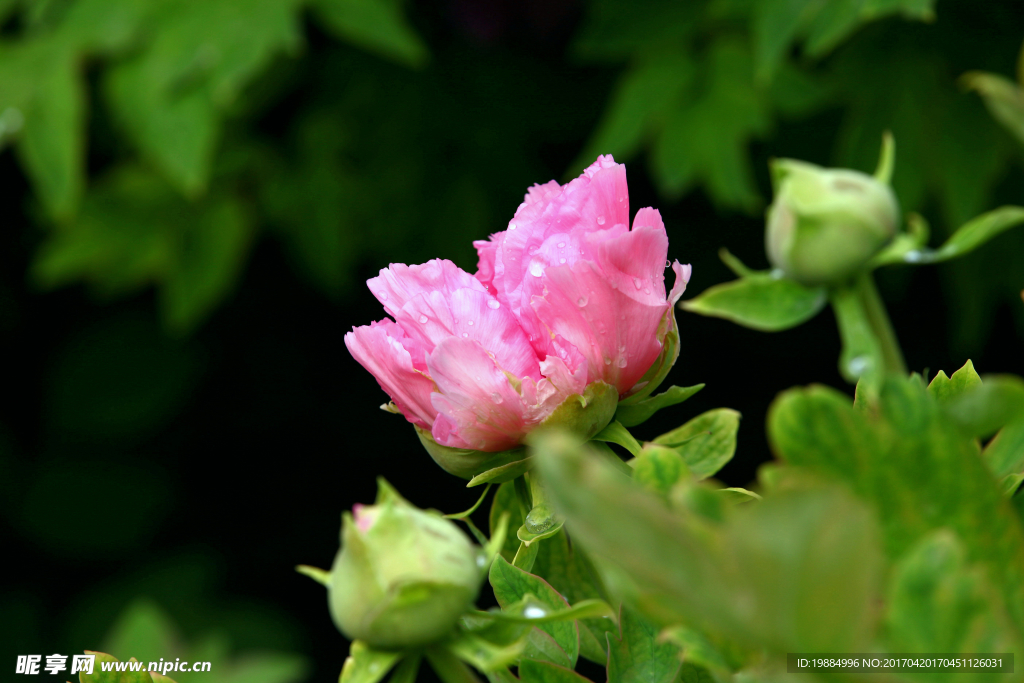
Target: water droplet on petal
[647,290]
[536,270]
[637,282]
[465,334]
[561,260]
[493,303]
[511,226]
[600,220]
[469,322]
[582,301]
[621,362]
[423,318]
[496,397]
[384,296]
[561,245]
[668,264]
[607,361]
[621,198]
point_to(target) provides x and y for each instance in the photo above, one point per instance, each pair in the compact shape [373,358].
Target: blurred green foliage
[143,127]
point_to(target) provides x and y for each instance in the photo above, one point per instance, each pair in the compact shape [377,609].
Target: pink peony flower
[566,297]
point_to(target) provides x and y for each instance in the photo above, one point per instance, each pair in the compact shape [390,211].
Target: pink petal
[378,348]
[486,251]
[477,406]
[399,283]
[611,329]
[433,317]
[682,279]
[634,262]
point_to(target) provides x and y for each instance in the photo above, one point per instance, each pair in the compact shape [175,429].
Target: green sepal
[966,239]
[466,463]
[913,239]
[587,414]
[638,412]
[765,301]
[616,433]
[707,442]
[486,648]
[525,556]
[321,576]
[365,664]
[499,475]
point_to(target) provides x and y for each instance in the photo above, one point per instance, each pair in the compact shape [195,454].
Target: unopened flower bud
[825,224]
[403,576]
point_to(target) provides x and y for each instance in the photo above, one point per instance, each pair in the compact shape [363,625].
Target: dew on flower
[561,260]
[536,270]
[621,198]
[607,360]
[622,362]
[496,397]
[511,226]
[668,264]
[582,301]
[469,322]
[423,318]
[465,334]
[384,296]
[493,303]
[533,612]
[637,282]
[561,245]
[600,220]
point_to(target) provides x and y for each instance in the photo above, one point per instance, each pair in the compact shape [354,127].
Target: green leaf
[532,613]
[616,433]
[996,402]
[638,413]
[535,671]
[697,648]
[912,439]
[940,602]
[637,656]
[972,235]
[511,585]
[171,96]
[407,670]
[659,469]
[760,301]
[485,654]
[1003,97]
[963,380]
[366,665]
[1004,454]
[707,442]
[376,25]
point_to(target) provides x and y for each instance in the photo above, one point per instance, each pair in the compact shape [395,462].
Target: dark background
[197,466]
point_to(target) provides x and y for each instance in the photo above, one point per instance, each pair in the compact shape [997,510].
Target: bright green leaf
[366,665]
[616,433]
[963,380]
[1004,454]
[996,402]
[706,442]
[761,301]
[638,413]
[659,468]
[535,671]
[1004,99]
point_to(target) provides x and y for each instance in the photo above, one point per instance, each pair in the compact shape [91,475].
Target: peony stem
[877,317]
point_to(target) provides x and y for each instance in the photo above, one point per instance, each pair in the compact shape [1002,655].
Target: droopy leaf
[760,301]
[706,442]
